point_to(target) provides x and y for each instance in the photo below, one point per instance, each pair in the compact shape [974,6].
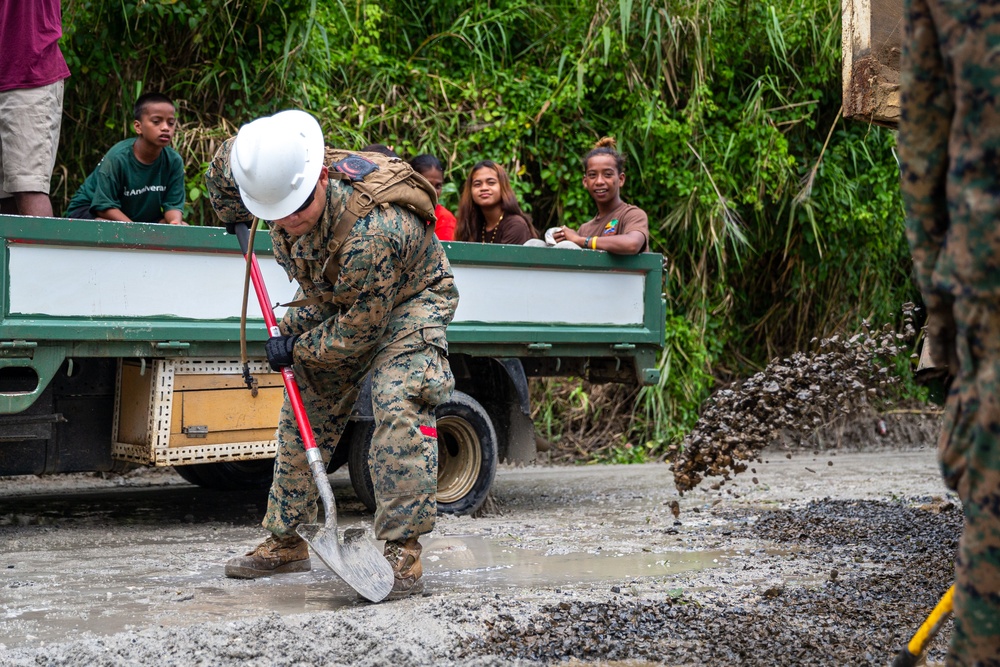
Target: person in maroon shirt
[488,211]
[32,70]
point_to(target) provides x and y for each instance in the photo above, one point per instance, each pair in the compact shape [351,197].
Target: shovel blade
[357,560]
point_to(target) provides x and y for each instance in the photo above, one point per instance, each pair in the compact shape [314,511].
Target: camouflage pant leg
[328,397]
[970,460]
[409,378]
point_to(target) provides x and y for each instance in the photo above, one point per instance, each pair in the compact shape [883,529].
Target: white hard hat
[276,162]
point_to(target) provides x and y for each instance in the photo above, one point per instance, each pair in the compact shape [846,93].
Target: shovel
[356,560]
[911,654]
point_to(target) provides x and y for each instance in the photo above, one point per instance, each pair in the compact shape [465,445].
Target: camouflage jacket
[387,288]
[949,142]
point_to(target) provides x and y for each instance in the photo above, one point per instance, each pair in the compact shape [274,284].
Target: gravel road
[819,558]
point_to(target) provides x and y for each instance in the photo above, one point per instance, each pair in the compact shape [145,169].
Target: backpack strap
[396,184]
[309,301]
[331,269]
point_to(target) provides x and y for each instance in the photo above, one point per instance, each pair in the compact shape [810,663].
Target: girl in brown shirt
[488,211]
[618,227]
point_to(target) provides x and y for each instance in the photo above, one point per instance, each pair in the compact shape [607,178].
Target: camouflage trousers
[969,452]
[409,378]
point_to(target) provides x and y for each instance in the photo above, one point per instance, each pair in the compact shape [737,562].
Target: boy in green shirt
[139,179]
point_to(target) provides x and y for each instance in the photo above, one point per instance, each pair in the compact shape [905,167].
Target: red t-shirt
[445,225]
[30,32]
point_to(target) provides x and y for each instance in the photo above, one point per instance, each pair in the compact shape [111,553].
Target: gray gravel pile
[850,615]
[800,393]
[925,531]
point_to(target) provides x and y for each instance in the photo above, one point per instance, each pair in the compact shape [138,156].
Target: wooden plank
[180,440]
[871,40]
[136,392]
[231,415]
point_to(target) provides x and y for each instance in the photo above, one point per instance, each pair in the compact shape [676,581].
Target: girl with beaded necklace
[488,211]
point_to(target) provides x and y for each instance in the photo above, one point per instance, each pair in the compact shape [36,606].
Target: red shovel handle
[291,386]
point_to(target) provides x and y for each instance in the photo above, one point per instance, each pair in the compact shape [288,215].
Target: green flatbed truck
[119,346]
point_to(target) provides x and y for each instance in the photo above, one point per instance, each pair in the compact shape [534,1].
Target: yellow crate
[184,411]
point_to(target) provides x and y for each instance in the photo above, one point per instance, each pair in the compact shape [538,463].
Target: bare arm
[173,217]
[112,214]
[629,243]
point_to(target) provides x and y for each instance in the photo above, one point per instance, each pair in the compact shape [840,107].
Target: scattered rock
[675,508]
[799,394]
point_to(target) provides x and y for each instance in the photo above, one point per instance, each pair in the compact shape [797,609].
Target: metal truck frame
[119,346]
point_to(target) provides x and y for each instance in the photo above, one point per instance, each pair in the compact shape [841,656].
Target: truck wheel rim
[459,459]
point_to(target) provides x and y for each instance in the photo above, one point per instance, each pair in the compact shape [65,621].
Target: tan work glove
[940,338]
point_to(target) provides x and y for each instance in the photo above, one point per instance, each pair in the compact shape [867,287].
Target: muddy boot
[275,555]
[404,557]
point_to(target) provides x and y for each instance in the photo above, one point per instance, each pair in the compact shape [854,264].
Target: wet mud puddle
[105,584]
[475,562]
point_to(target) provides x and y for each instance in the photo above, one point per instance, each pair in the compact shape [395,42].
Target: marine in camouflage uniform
[393,298]
[950,153]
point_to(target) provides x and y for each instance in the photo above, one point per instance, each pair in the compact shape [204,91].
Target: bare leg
[34,203]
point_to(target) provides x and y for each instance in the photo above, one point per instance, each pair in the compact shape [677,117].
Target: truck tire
[467,457]
[230,475]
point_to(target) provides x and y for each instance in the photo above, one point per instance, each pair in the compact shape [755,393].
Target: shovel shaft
[930,628]
[911,654]
[323,485]
[291,386]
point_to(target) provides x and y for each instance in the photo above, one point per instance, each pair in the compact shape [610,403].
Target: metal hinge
[195,431]
[172,345]
[18,345]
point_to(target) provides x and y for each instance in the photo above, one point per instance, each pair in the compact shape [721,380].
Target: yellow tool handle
[933,623]
[910,655]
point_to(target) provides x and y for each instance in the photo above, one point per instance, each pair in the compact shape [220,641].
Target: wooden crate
[184,411]
[871,35]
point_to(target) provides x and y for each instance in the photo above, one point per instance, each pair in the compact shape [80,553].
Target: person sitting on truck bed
[140,179]
[618,228]
[385,312]
[431,168]
[488,211]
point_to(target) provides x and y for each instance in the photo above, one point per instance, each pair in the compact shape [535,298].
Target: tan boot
[404,557]
[275,555]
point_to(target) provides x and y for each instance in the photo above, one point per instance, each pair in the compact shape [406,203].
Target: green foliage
[222,61]
[628,453]
[781,221]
